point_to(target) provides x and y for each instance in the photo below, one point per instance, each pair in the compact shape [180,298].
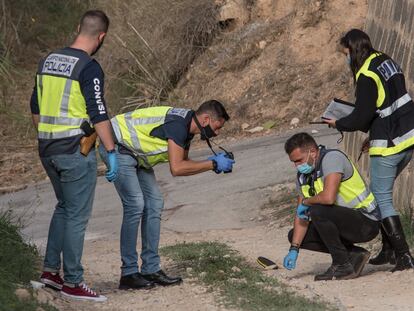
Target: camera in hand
[229,155]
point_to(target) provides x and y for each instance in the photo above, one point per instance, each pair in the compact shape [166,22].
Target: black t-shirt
[176,127]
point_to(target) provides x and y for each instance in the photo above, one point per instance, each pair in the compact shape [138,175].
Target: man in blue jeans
[146,137]
[68,93]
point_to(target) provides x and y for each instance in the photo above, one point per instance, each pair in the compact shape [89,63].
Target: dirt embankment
[278,63]
[268,60]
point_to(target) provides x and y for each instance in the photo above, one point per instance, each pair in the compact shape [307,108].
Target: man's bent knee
[317,211]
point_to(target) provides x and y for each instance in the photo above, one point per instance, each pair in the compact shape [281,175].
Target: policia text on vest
[383,108]
[58,82]
[68,106]
[391,126]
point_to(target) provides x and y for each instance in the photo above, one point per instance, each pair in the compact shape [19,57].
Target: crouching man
[335,209]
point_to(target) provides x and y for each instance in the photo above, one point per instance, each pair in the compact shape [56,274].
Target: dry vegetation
[150,45]
[267,60]
[281,64]
[28,29]
[159,41]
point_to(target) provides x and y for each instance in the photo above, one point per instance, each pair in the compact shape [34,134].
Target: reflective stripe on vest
[61,102]
[366,72]
[387,145]
[394,106]
[58,127]
[133,130]
[352,193]
[39,80]
[400,143]
[379,147]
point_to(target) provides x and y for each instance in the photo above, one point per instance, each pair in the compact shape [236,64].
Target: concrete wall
[390,25]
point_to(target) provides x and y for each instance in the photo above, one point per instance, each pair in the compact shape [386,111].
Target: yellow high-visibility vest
[392,131]
[133,131]
[61,103]
[352,193]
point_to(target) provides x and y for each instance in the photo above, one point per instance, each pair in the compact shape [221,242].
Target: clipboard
[336,109]
[318,122]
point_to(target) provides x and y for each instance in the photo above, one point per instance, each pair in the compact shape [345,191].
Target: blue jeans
[383,172]
[142,201]
[73,177]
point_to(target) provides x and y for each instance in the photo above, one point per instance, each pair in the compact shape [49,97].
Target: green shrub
[19,264]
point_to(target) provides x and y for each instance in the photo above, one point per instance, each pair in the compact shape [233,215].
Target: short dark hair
[300,140]
[215,108]
[93,23]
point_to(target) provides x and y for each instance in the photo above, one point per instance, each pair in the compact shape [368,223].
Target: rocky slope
[276,60]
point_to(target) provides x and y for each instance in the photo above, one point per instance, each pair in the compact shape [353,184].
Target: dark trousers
[334,229]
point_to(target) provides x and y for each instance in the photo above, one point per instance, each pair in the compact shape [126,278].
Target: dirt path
[376,289]
[208,207]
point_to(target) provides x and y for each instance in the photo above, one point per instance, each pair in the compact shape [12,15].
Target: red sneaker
[52,280]
[81,292]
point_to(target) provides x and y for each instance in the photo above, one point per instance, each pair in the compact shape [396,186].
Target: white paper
[337,110]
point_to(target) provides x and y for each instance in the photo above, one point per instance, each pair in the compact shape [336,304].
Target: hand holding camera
[224,162]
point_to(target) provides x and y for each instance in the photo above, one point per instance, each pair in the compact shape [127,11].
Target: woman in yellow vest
[385,109]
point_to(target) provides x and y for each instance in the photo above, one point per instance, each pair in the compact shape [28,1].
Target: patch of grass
[18,265]
[240,285]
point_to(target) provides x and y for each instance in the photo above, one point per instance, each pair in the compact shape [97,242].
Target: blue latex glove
[224,164]
[302,212]
[290,260]
[112,172]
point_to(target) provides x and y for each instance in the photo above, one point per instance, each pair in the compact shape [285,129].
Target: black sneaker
[358,257]
[162,279]
[385,256]
[404,262]
[134,281]
[337,272]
